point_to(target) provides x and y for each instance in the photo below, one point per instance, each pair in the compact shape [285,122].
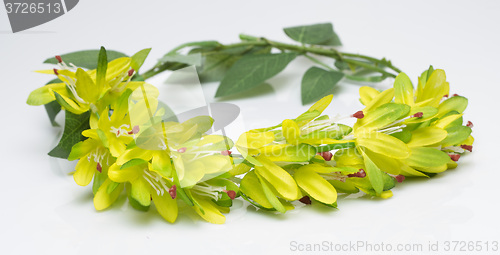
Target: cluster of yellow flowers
[131,148]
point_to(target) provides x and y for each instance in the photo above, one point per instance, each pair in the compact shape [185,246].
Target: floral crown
[126,143]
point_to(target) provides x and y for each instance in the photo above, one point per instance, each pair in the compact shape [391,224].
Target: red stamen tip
[99,168]
[454,157]
[306,200]
[326,155]
[173,191]
[445,95]
[131,72]
[469,124]
[358,115]
[455,95]
[400,178]
[59,59]
[418,115]
[231,194]
[182,150]
[56,72]
[135,130]
[466,147]
[360,174]
[225,153]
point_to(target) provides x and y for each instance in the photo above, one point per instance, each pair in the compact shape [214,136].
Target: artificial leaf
[317,83]
[85,58]
[73,127]
[251,71]
[319,34]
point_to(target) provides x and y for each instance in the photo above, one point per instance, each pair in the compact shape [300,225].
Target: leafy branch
[232,63]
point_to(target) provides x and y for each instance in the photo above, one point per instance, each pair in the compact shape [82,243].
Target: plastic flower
[146,185]
[80,90]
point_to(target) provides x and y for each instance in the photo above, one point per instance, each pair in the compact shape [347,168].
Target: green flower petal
[250,185]
[427,136]
[424,157]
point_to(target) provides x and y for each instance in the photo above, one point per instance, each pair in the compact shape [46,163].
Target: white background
[44,212]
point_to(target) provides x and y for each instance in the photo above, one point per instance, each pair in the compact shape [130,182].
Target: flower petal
[384,144]
[166,206]
[281,180]
[427,136]
[141,191]
[315,185]
[210,212]
[103,199]
[367,94]
[291,131]
[382,98]
[85,170]
[250,185]
[403,90]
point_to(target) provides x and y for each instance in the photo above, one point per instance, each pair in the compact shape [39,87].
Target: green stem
[370,63]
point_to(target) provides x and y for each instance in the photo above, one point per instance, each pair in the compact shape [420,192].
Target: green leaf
[320,34]
[85,58]
[102,66]
[317,83]
[215,66]
[250,71]
[53,108]
[73,127]
[139,58]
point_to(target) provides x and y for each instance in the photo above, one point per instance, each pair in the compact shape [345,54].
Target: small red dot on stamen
[181,150]
[231,194]
[225,153]
[418,115]
[56,72]
[400,178]
[454,157]
[173,191]
[118,132]
[358,115]
[135,129]
[99,168]
[306,200]
[360,174]
[59,59]
[131,72]
[466,147]
[469,124]
[454,95]
[445,95]
[327,156]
